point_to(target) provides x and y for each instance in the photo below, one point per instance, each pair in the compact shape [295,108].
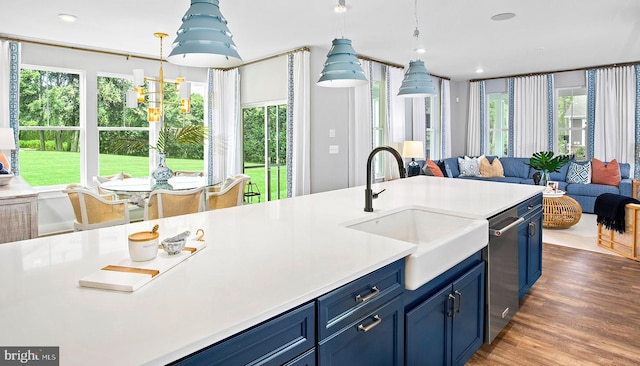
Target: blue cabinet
[376,339]
[529,244]
[448,327]
[278,341]
[362,322]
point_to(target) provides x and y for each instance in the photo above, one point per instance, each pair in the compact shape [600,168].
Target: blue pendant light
[204,40]
[342,68]
[417,81]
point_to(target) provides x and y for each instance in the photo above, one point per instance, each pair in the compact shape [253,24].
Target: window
[432,128]
[572,122]
[265,148]
[117,122]
[498,124]
[50,125]
[379,125]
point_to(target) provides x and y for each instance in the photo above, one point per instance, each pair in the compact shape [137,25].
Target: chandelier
[155,96]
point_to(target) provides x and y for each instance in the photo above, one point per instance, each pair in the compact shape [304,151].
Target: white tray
[128,275]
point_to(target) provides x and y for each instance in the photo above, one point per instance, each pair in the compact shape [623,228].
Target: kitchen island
[261,260]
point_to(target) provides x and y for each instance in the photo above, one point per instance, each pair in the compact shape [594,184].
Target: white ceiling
[545,35]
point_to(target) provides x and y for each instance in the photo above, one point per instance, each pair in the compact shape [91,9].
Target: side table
[560,212]
[18,211]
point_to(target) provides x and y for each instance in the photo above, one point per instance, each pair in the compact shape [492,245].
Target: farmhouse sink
[443,240]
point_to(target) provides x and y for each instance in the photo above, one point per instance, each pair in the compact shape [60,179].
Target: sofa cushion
[515,167]
[579,172]
[590,189]
[470,167]
[607,174]
[451,167]
[561,175]
[432,169]
[491,169]
[625,170]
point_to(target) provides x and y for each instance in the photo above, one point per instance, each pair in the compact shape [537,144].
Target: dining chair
[231,194]
[166,203]
[98,180]
[94,211]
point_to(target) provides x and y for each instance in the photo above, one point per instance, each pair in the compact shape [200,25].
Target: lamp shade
[7,139]
[204,40]
[417,81]
[342,68]
[413,149]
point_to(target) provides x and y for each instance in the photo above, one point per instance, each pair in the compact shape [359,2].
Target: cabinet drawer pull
[374,292]
[453,308]
[377,321]
[459,301]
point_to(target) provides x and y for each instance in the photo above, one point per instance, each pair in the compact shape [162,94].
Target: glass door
[265,149]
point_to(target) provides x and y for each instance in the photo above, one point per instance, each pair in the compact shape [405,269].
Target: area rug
[582,235]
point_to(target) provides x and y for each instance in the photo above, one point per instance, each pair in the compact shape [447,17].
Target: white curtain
[360,128]
[445,126]
[9,97]
[224,145]
[301,136]
[614,133]
[397,132]
[530,115]
[475,117]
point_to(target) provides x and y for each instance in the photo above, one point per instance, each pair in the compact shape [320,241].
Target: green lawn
[48,168]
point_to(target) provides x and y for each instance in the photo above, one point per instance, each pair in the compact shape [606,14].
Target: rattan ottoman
[560,212]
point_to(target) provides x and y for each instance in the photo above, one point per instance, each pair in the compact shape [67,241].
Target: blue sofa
[517,171]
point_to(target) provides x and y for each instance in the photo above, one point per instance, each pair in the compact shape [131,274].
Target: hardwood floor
[584,310]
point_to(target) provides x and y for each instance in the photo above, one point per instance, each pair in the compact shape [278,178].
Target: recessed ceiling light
[69,18]
[479,70]
[503,16]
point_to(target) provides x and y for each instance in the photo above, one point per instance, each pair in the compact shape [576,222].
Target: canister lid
[144,236]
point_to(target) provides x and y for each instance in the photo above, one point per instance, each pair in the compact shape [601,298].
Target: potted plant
[546,163]
[190,134]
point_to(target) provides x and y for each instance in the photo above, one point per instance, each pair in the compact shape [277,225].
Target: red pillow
[435,170]
[605,174]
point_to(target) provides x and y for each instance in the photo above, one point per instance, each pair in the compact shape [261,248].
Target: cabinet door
[468,315]
[523,257]
[428,331]
[534,262]
[377,339]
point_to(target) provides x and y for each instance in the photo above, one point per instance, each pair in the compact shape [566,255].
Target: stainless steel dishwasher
[501,255]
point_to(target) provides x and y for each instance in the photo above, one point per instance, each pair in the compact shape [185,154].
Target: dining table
[137,186]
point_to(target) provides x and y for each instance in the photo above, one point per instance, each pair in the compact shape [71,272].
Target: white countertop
[260,261]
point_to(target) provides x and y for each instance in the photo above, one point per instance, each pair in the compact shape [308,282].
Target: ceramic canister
[143,245]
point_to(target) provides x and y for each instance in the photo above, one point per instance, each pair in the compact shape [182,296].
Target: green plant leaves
[545,161]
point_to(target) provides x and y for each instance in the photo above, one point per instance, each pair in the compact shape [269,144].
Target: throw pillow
[227,182]
[470,167]
[491,170]
[432,169]
[579,173]
[444,168]
[605,174]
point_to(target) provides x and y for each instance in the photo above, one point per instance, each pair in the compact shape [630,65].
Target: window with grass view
[265,148]
[572,122]
[498,124]
[117,122]
[49,119]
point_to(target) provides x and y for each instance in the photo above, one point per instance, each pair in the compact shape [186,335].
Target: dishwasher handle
[511,222]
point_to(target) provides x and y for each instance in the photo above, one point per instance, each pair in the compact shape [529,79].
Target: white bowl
[5,178]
